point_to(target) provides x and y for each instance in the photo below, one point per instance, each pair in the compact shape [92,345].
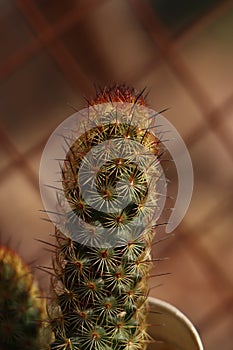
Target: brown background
[52,54]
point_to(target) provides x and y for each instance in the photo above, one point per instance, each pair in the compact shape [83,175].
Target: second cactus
[21,306]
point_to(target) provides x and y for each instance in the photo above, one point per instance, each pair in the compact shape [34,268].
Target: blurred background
[54,52]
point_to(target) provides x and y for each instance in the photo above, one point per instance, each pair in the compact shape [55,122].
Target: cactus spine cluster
[102,259]
[21,309]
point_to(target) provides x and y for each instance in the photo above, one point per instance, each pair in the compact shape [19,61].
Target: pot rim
[180,315]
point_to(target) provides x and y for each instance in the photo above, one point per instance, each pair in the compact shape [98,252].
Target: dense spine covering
[100,289]
[21,309]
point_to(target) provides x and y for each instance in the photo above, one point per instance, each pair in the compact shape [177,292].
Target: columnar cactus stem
[102,260]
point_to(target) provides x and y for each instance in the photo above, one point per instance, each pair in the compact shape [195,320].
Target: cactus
[21,309]
[103,254]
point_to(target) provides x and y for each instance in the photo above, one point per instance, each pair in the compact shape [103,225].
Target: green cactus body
[20,307]
[102,260]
